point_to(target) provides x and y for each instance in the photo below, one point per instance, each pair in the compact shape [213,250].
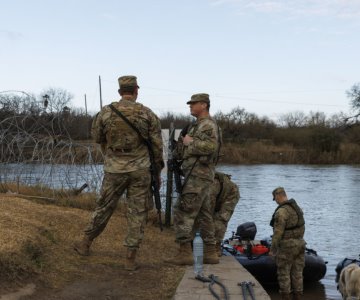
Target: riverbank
[250,151]
[36,248]
[265,152]
[261,152]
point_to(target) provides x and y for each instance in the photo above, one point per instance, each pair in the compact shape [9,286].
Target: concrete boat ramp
[229,272]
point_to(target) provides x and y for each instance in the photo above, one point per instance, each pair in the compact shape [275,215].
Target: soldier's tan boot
[210,254]
[297,296]
[183,257]
[130,263]
[83,247]
[285,296]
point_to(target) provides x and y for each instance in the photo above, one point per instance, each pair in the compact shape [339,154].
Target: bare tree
[316,119]
[338,120]
[18,102]
[237,115]
[56,99]
[293,119]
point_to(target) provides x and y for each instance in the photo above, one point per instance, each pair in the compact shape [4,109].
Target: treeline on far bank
[295,138]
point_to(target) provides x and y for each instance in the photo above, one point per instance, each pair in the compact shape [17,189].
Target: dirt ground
[37,260]
[113,283]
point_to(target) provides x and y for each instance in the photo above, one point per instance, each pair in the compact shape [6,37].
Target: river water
[328,195]
[330,199]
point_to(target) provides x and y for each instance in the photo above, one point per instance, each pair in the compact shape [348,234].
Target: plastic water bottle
[198,252]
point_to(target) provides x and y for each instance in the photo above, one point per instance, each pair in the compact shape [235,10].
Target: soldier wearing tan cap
[199,151]
[288,244]
[126,166]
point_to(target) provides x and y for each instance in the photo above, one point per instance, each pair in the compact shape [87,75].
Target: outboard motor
[246,231]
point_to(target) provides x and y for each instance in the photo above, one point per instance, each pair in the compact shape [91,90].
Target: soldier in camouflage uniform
[199,150]
[126,167]
[224,195]
[288,244]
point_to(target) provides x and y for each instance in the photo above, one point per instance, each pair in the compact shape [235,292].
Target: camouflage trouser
[290,261]
[220,229]
[137,186]
[223,216]
[194,204]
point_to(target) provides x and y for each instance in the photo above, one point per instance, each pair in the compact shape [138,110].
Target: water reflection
[313,291]
[329,196]
[55,176]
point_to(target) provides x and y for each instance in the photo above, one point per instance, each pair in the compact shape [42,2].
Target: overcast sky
[269,57]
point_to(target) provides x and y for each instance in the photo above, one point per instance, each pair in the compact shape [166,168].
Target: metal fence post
[169,182]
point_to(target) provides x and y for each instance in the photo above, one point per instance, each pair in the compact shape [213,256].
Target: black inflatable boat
[253,255]
[344,263]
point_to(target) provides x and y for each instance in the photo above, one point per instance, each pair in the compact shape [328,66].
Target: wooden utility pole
[85,106]
[100,92]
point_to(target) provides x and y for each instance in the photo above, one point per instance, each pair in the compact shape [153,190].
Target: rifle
[153,170]
[176,165]
[155,188]
[177,175]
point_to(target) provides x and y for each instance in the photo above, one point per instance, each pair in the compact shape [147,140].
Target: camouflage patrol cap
[199,98]
[128,80]
[277,191]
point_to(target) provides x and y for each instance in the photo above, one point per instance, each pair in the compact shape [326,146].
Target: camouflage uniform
[224,195]
[289,246]
[199,159]
[126,164]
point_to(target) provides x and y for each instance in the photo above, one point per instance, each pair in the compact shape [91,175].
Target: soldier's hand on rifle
[185,130]
[187,140]
[159,180]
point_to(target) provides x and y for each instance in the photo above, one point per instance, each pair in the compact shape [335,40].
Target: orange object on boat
[259,249]
[256,249]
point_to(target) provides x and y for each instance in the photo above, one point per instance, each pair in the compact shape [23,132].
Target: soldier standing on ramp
[126,167]
[288,245]
[199,152]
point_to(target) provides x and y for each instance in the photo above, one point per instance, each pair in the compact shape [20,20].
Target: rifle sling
[126,120]
[188,176]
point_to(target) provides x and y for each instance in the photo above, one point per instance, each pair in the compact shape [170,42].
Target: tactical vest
[292,203]
[120,136]
[191,130]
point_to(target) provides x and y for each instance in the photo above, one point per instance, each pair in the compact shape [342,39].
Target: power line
[278,101]
[240,98]
[255,99]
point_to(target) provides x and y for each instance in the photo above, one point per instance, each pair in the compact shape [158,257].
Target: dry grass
[37,239]
[350,153]
[260,152]
[45,195]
